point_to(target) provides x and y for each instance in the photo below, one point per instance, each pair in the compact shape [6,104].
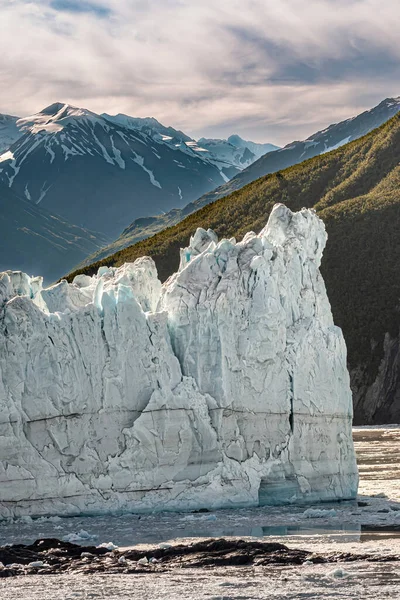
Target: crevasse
[225,386]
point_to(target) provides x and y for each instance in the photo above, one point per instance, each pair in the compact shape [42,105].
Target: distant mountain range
[230,156]
[238,152]
[102,172]
[67,172]
[319,143]
[356,191]
[257,149]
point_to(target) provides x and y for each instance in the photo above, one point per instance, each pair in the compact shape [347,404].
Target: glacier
[225,386]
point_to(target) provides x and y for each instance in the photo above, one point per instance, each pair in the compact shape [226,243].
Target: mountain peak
[55,108]
[235,138]
[54,117]
[391,101]
[257,148]
[60,110]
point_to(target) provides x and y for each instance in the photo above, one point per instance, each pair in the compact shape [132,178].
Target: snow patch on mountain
[337,145]
[139,160]
[225,386]
[7,156]
[9,159]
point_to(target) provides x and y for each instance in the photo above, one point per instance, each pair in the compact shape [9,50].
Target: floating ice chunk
[26,519]
[108,546]
[55,519]
[319,513]
[339,574]
[78,537]
[6,156]
[199,517]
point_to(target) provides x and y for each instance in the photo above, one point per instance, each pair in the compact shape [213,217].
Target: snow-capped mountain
[328,139]
[230,156]
[323,141]
[178,140]
[32,240]
[10,132]
[257,149]
[102,174]
[148,125]
[223,150]
[235,150]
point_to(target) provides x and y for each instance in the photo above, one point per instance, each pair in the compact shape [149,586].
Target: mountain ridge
[35,241]
[102,172]
[142,228]
[325,140]
[73,162]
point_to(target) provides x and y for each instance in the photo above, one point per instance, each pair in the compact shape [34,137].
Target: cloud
[275,71]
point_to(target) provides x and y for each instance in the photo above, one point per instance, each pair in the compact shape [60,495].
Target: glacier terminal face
[225,386]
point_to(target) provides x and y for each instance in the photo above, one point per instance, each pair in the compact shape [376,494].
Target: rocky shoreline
[54,557]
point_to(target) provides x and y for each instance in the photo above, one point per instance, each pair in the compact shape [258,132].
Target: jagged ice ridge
[225,386]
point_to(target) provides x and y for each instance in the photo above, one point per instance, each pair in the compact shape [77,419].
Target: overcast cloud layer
[270,70]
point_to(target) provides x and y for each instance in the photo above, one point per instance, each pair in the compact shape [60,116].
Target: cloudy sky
[270,70]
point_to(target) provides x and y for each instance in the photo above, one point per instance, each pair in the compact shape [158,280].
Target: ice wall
[226,386]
